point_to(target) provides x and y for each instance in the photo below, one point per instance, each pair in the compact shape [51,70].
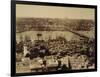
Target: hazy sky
[53,12]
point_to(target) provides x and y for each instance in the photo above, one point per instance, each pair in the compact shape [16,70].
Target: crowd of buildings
[55,54]
[53,24]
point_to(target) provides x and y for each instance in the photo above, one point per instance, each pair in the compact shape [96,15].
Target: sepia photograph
[54,38]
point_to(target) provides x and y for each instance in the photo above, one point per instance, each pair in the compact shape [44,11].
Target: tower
[25,49]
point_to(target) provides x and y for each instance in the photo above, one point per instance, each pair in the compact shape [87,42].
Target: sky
[39,11]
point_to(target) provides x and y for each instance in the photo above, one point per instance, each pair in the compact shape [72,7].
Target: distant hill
[53,24]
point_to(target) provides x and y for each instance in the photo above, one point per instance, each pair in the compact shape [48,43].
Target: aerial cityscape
[46,44]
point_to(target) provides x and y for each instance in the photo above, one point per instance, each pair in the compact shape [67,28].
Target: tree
[19,47]
[39,35]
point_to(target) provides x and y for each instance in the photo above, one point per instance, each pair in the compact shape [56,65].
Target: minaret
[25,49]
[69,64]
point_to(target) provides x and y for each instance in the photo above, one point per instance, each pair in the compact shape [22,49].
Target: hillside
[50,24]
